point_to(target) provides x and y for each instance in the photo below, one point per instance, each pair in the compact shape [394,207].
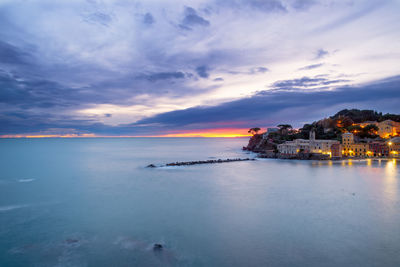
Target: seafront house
[336,150]
[351,148]
[294,147]
[394,147]
[378,149]
[312,145]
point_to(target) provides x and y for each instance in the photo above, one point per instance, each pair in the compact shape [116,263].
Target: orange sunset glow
[227,133]
[210,133]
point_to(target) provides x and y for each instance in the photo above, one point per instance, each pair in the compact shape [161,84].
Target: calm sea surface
[92,202]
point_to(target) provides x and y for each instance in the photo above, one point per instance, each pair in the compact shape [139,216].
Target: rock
[157,247]
[151,166]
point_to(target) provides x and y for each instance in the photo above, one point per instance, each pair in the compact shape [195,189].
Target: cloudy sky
[134,68]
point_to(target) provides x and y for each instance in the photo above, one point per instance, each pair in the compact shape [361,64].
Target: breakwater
[189,163]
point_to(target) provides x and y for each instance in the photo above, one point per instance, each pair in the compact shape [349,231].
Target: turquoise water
[92,202]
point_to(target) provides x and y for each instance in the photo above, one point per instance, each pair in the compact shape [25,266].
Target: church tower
[312,135]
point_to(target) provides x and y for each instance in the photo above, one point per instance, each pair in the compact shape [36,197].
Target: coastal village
[344,135]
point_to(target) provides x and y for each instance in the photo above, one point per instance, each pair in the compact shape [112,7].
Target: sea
[93,202]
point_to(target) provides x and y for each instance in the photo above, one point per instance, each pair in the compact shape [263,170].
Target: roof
[347,133]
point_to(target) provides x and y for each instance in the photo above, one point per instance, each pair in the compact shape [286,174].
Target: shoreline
[296,157]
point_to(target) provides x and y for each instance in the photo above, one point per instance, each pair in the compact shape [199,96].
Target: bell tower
[312,135]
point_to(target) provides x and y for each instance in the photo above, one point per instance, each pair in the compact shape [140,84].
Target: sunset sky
[176,68]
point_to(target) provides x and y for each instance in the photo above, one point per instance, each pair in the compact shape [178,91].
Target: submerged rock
[157,247]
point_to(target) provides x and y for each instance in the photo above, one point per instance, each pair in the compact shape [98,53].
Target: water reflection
[391,179]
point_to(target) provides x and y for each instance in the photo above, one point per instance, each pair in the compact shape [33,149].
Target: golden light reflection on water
[390,181]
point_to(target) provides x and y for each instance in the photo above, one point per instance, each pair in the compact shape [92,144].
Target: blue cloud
[192,19]
[303,4]
[163,76]
[10,54]
[202,71]
[148,19]
[267,5]
[313,66]
[321,53]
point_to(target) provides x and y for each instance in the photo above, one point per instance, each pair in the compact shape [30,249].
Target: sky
[188,68]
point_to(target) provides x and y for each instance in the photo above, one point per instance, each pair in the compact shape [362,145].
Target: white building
[307,146]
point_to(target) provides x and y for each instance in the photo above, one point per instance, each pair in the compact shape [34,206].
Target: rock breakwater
[189,163]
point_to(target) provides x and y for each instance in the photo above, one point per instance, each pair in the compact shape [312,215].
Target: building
[336,150]
[307,146]
[347,139]
[386,129]
[294,147]
[351,148]
[378,149]
[394,147]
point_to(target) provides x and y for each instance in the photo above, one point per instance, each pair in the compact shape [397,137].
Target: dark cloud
[264,105]
[53,64]
[154,77]
[202,71]
[192,19]
[148,19]
[313,66]
[270,107]
[304,82]
[10,54]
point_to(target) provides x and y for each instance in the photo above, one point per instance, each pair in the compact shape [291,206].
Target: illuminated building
[386,128]
[350,148]
[378,149]
[394,147]
[307,146]
[336,150]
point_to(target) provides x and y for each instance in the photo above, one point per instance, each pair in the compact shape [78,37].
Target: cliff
[259,145]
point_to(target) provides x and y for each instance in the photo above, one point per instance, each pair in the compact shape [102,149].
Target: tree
[370,130]
[355,129]
[344,121]
[254,131]
[284,128]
